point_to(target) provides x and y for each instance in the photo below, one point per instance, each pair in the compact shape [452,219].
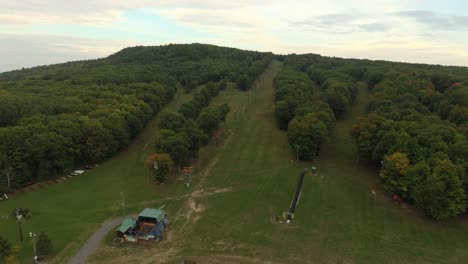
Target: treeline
[80,125]
[201,99]
[181,134]
[339,89]
[310,119]
[337,79]
[416,130]
[293,90]
[187,64]
[54,118]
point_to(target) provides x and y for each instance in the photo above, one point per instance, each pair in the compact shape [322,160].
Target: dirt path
[93,242]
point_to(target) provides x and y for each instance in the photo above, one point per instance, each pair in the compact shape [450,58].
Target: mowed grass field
[251,178]
[238,187]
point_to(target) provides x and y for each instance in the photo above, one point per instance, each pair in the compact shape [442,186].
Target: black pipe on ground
[296,195]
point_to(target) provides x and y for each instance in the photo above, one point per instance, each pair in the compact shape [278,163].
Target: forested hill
[415,128]
[185,63]
[54,118]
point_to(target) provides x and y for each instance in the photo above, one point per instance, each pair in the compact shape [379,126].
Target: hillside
[55,118]
[375,130]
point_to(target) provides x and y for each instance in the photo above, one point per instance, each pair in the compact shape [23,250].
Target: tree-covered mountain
[54,118]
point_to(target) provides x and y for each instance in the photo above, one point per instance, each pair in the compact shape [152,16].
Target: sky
[40,32]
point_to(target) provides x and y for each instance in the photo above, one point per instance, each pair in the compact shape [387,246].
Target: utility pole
[188,175]
[297,153]
[33,237]
[124,204]
[19,218]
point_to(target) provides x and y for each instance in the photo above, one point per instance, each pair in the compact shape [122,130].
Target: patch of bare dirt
[196,207]
[194,194]
[283,224]
[161,254]
[232,259]
[209,192]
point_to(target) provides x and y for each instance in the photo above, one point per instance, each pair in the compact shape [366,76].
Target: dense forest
[310,118]
[415,129]
[181,134]
[55,118]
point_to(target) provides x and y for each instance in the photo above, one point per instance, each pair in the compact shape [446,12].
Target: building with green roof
[125,227]
[151,215]
[149,224]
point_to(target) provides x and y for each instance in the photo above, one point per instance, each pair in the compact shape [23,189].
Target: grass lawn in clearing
[338,219]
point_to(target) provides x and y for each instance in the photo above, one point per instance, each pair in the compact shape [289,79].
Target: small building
[150,224]
[125,227]
[150,215]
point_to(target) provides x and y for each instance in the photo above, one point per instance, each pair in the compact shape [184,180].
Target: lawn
[239,186]
[251,178]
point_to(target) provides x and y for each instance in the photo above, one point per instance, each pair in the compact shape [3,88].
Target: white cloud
[435,20]
[96,12]
[20,51]
[94,18]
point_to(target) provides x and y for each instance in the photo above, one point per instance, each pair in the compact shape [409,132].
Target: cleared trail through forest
[340,147]
[245,122]
[343,216]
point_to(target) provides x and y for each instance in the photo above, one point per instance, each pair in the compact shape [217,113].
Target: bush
[44,245]
[5,249]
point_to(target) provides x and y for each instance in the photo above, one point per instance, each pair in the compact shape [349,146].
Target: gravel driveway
[93,242]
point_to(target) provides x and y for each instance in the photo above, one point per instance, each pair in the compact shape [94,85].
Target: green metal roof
[152,213]
[126,224]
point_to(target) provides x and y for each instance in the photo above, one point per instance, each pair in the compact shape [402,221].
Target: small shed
[150,215]
[125,228]
[151,224]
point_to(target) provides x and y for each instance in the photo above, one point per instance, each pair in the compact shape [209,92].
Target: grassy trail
[338,220]
[227,217]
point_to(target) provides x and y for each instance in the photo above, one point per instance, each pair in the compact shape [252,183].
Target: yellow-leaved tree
[160,165]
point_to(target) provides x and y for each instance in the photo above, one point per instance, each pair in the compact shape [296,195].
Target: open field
[338,220]
[226,215]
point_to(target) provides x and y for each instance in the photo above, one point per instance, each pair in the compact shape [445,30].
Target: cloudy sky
[37,32]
